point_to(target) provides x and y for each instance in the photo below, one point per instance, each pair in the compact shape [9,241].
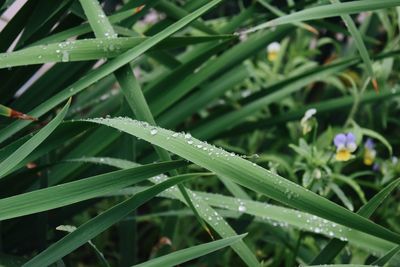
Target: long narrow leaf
[245,173]
[23,151]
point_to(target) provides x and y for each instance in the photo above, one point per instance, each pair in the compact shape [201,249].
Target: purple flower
[340,140]
[369,152]
[345,141]
[369,144]
[376,167]
[345,145]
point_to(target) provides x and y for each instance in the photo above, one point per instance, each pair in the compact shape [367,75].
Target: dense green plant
[154,132]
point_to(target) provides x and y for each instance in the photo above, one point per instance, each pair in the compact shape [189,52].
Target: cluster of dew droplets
[213,218]
[323,226]
[309,222]
[63,50]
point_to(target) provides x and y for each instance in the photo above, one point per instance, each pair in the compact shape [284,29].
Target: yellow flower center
[343,154]
[272,56]
[369,157]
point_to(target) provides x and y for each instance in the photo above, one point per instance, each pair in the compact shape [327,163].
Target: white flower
[305,121]
[273,50]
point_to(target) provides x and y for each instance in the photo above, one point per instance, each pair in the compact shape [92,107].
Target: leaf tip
[19,115]
[375,85]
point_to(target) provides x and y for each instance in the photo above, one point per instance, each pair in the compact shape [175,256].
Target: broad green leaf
[69,193]
[248,175]
[181,256]
[24,150]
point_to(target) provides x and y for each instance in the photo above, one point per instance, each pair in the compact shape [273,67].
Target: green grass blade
[303,221]
[362,49]
[177,13]
[231,119]
[107,69]
[326,11]
[208,214]
[333,248]
[246,174]
[80,30]
[130,86]
[279,216]
[184,255]
[100,223]
[387,257]
[91,49]
[25,149]
[340,265]
[279,13]
[11,113]
[229,59]
[73,192]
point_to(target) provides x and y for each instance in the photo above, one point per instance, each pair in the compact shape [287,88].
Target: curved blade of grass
[43,16]
[107,69]
[81,29]
[377,136]
[69,193]
[176,12]
[231,119]
[340,265]
[100,255]
[100,223]
[323,107]
[230,58]
[184,255]
[326,11]
[15,25]
[206,212]
[117,163]
[279,13]
[352,184]
[130,86]
[23,151]
[91,49]
[333,248]
[387,257]
[246,174]
[64,133]
[362,49]
[280,216]
[201,98]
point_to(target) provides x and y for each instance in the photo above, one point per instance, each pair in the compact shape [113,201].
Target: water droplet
[242,208]
[153,131]
[65,56]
